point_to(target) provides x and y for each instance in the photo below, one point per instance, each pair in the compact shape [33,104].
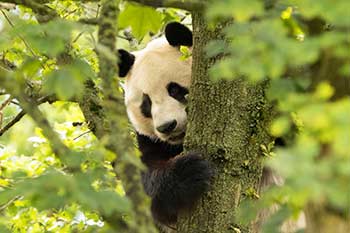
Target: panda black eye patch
[146,106]
[177,91]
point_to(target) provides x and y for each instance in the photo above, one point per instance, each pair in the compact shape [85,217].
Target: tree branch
[31,107]
[194,5]
[118,124]
[12,122]
[7,6]
[43,12]
[4,104]
[89,21]
[22,113]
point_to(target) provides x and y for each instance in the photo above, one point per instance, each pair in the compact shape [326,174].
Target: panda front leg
[177,185]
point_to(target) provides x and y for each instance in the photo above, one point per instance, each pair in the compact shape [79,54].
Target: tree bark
[226,122]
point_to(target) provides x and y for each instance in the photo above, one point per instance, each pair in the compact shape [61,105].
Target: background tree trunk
[226,123]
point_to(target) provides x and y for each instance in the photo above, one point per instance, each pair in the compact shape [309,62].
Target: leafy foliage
[291,43]
[148,20]
[39,191]
[301,47]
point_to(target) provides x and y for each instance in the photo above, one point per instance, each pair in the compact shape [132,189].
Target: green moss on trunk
[226,122]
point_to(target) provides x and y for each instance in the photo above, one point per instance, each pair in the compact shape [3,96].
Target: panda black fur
[157,81]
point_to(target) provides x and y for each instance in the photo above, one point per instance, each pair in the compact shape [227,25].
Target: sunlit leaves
[54,58]
[239,10]
[141,19]
[280,126]
[68,80]
[262,49]
[302,48]
[55,190]
[49,38]
[334,12]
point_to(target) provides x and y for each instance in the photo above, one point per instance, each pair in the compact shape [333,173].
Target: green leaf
[141,19]
[49,38]
[280,126]
[68,81]
[239,10]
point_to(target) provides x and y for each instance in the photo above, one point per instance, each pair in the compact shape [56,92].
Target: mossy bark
[226,122]
[113,128]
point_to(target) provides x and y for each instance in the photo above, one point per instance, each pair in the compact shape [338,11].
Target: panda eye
[146,106]
[177,92]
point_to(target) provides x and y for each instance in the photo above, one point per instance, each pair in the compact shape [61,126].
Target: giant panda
[157,81]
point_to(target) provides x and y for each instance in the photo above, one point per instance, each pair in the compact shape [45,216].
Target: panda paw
[192,174]
[187,180]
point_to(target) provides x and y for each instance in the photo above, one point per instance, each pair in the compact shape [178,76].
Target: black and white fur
[157,82]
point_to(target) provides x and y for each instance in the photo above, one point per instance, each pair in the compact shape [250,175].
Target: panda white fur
[157,82]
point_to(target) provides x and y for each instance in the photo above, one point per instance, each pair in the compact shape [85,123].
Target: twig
[60,149]
[69,13]
[89,21]
[5,103]
[12,122]
[89,131]
[14,102]
[22,39]
[22,113]
[7,204]
[2,106]
[98,10]
[78,36]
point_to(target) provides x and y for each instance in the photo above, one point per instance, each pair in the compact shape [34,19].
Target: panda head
[157,81]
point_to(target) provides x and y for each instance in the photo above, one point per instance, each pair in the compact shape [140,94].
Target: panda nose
[167,127]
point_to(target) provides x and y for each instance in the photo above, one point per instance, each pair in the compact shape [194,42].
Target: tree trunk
[225,123]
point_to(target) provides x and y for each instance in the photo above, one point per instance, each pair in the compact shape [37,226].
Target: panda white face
[155,91]
[157,81]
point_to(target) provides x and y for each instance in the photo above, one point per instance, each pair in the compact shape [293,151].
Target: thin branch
[22,113]
[22,39]
[12,122]
[7,6]
[7,204]
[76,138]
[5,103]
[78,36]
[14,102]
[43,12]
[194,5]
[31,107]
[60,149]
[69,13]
[89,21]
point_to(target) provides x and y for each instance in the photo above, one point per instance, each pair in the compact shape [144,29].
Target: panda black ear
[125,62]
[178,34]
